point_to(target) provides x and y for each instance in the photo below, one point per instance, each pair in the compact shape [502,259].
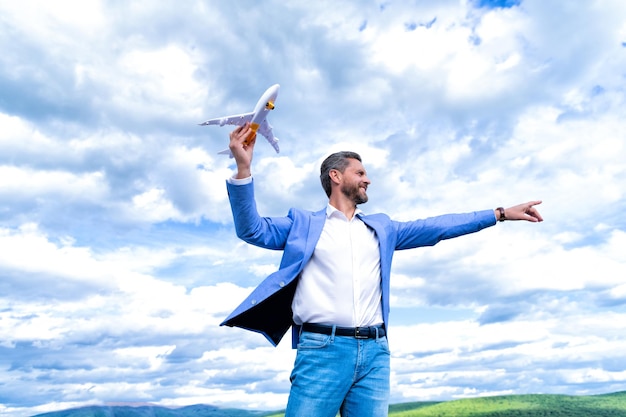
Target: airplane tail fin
[275,145]
[226,152]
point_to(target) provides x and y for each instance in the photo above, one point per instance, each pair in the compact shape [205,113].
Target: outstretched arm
[242,141]
[525,211]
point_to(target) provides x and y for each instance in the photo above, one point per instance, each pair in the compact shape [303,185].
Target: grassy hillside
[608,405]
[612,405]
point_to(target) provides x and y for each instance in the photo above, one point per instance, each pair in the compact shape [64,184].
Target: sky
[118,256]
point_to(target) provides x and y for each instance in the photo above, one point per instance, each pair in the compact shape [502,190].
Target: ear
[335,176]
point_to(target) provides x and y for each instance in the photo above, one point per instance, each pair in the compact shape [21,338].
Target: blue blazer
[267,309]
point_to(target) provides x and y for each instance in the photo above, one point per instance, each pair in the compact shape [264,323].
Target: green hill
[535,405]
[611,405]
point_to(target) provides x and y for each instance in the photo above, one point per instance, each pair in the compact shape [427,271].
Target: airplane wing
[238,119]
[265,129]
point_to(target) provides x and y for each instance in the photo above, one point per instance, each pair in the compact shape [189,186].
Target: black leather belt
[370,332]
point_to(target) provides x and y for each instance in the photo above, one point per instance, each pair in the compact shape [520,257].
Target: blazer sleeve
[428,232]
[266,232]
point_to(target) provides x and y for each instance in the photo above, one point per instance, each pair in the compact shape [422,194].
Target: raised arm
[266,232]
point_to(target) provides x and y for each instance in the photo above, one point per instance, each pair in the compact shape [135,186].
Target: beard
[354,193]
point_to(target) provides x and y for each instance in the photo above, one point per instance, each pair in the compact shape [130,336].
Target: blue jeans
[339,373]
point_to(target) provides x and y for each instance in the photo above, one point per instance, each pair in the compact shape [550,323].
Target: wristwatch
[502,216]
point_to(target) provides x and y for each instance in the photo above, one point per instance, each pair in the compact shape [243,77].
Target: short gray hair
[338,161]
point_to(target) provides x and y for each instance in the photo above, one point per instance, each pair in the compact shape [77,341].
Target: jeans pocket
[383,343]
[310,340]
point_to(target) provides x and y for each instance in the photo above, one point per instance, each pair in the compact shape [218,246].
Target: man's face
[354,182]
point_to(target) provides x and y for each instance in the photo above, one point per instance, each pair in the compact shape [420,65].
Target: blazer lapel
[316,225]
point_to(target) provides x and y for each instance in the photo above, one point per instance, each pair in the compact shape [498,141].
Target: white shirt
[341,283]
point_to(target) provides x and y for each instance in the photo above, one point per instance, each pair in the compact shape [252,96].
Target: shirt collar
[330,210]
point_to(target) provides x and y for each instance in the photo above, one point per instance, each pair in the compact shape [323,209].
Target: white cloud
[163,78]
[33,184]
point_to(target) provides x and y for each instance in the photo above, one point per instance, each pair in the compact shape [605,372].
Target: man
[332,286]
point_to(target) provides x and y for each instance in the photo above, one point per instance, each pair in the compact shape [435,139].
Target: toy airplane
[257,118]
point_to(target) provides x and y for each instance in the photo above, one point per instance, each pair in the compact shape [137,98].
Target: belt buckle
[358,335]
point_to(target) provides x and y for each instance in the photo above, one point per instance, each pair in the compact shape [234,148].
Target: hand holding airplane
[257,119]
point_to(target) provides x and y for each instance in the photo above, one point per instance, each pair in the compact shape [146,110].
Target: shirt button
[253,302]
[282,284]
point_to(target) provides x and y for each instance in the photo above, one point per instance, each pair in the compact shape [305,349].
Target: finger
[531,218]
[537,216]
[241,135]
[533,214]
[238,129]
[234,135]
[250,138]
